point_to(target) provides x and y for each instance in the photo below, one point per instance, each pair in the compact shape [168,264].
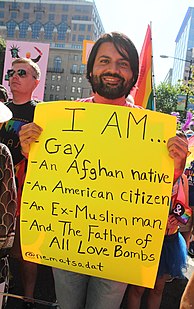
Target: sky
[133,17]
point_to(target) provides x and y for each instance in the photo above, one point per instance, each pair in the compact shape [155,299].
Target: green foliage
[166,97]
[2,56]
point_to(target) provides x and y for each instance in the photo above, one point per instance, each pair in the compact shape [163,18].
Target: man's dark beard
[107,91]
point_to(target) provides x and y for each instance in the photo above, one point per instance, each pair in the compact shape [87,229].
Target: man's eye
[124,64]
[104,61]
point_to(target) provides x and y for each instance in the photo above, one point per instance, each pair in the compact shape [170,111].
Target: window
[11,28]
[79,79]
[57,63]
[74,27]
[49,30]
[53,77]
[26,15]
[75,57]
[82,27]
[52,87]
[51,17]
[58,88]
[15,6]
[1,14]
[73,38]
[51,97]
[58,77]
[82,69]
[56,97]
[62,28]
[80,38]
[65,7]
[76,17]
[23,28]
[13,15]
[26,5]
[2,5]
[78,8]
[36,29]
[38,15]
[74,79]
[85,18]
[74,68]
[89,27]
[79,89]
[72,89]
[64,18]
[52,7]
[72,98]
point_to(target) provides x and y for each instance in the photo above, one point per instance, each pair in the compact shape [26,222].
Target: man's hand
[172,221]
[28,134]
[178,150]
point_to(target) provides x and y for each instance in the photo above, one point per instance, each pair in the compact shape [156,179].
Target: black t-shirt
[9,135]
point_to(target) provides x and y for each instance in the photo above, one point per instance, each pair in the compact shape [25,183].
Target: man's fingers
[30,132]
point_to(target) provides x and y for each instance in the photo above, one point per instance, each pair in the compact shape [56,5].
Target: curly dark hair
[3,94]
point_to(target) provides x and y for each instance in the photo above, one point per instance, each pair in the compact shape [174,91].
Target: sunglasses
[21,73]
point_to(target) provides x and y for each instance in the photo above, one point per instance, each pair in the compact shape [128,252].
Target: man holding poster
[112,70]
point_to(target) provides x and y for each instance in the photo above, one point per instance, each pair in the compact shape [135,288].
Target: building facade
[64,25]
[184,49]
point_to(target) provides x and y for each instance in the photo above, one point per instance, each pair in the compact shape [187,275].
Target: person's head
[23,77]
[113,66]
[191,125]
[3,94]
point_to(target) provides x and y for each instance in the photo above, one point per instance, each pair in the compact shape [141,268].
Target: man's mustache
[112,75]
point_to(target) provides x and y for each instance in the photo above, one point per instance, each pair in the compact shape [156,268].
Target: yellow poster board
[97,191]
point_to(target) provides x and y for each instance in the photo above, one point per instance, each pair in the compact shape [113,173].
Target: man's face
[24,84]
[112,75]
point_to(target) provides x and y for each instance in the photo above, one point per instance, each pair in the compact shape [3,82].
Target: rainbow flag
[143,91]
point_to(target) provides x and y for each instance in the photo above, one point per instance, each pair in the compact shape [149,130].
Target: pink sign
[36,51]
[87,47]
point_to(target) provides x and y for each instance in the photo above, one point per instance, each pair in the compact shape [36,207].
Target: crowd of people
[112,70]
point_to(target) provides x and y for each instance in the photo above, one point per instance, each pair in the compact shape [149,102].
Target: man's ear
[37,81]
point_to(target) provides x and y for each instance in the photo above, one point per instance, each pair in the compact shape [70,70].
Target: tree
[166,97]
[2,56]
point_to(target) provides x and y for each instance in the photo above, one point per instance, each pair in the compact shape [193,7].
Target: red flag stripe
[143,89]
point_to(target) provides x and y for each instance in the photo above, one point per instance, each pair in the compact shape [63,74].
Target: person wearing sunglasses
[23,76]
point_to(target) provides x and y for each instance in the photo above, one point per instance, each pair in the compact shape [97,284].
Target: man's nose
[114,67]
[15,74]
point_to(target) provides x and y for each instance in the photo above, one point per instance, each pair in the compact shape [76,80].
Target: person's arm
[28,134]
[8,198]
[187,299]
[178,150]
